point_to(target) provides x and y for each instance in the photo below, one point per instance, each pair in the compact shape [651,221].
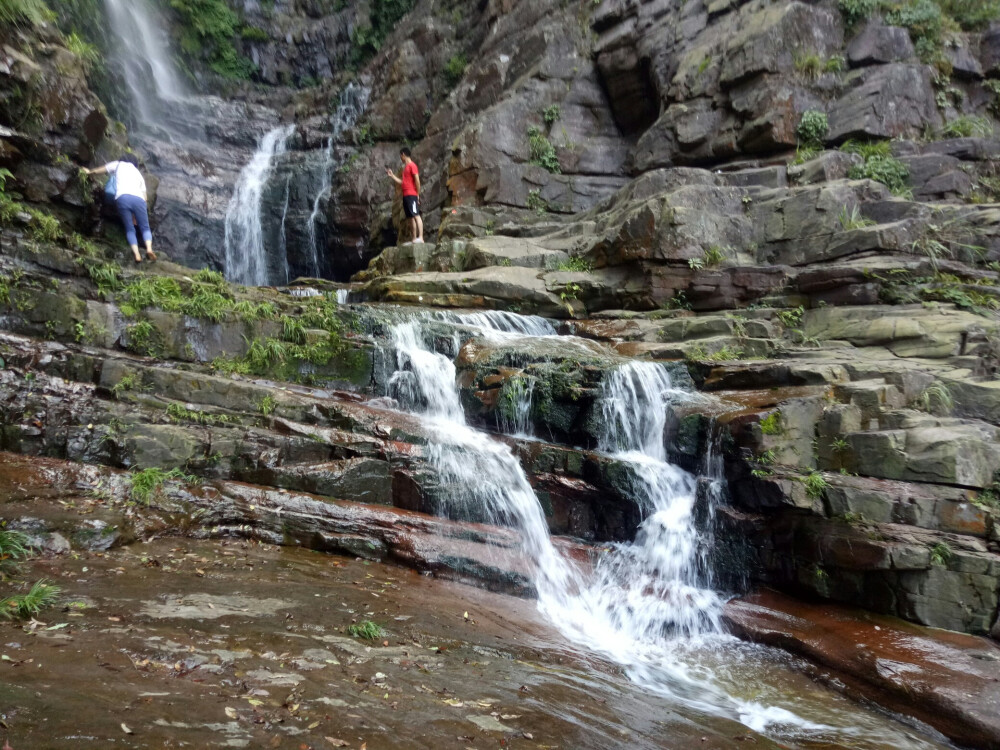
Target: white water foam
[246,256]
[645,605]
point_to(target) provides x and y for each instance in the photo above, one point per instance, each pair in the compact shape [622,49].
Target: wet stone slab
[204,644]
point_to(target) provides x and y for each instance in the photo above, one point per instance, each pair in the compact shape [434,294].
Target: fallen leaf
[313,725]
[126,729]
[465,615]
[231,712]
[335,742]
[60,626]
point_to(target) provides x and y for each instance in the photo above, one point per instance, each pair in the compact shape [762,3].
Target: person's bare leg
[419,227]
[413,230]
[135,252]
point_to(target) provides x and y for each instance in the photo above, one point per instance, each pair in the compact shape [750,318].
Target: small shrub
[576,264]
[14,12]
[537,203]
[147,483]
[128,382]
[771,424]
[366,630]
[267,405]
[971,15]
[888,170]
[815,484]
[14,547]
[835,64]
[941,554]
[551,114]
[936,399]
[140,337]
[810,66]
[791,318]
[454,69]
[853,219]
[543,153]
[43,594]
[87,53]
[967,127]
[813,127]
[856,11]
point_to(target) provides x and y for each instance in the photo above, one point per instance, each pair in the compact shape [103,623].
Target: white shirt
[129,180]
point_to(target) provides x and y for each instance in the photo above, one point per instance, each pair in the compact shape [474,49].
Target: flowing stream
[352,103]
[646,605]
[246,253]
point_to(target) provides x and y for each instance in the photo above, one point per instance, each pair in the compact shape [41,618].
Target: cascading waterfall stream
[646,604]
[144,58]
[246,256]
[353,100]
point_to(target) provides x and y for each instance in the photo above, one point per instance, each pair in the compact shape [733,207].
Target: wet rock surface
[947,680]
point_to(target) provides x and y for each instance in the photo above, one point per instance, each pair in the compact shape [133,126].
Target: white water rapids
[645,605]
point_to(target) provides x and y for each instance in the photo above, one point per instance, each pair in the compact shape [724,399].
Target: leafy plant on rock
[543,153]
[813,128]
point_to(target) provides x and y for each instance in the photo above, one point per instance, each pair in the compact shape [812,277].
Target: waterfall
[476,471]
[515,419]
[246,256]
[643,604]
[142,53]
[648,590]
[343,295]
[353,100]
[283,235]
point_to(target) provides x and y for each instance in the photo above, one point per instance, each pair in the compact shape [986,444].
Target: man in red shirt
[410,181]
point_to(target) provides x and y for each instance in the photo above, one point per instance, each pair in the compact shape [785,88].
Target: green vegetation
[537,203]
[128,382]
[550,114]
[815,484]
[966,127]
[853,219]
[41,595]
[180,413]
[576,264]
[771,424]
[146,483]
[106,277]
[266,405]
[725,354]
[140,338]
[87,53]
[879,165]
[209,28]
[989,498]
[207,297]
[971,15]
[813,128]
[282,358]
[367,630]
[856,11]
[941,554]
[543,153]
[13,12]
[454,69]
[366,41]
[14,547]
[791,318]
[936,399]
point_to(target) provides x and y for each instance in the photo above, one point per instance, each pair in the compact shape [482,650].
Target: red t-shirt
[410,173]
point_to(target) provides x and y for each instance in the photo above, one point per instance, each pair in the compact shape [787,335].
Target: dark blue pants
[129,207]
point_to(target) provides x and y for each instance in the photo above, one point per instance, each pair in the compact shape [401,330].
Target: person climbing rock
[410,180]
[130,199]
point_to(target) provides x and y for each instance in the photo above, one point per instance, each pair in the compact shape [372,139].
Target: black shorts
[411,206]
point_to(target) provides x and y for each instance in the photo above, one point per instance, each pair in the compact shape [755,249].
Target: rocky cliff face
[794,205]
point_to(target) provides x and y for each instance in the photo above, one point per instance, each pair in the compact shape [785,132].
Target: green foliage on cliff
[366,41]
[971,14]
[20,11]
[208,30]
[543,153]
[813,127]
[880,165]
